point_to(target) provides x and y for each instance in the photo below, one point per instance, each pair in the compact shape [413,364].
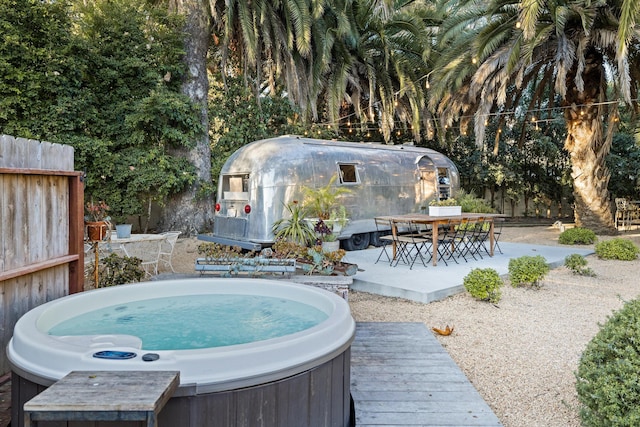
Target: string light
[487,116]
[542,111]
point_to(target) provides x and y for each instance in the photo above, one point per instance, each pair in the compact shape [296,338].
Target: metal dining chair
[166,248]
[410,243]
[462,239]
[384,237]
[497,232]
[148,251]
[448,240]
[480,237]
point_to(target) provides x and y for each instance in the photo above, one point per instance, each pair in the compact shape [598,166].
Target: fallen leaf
[445,332]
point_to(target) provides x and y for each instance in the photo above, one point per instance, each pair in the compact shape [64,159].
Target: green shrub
[117,270]
[471,203]
[607,376]
[527,270]
[484,284]
[577,236]
[617,248]
[578,264]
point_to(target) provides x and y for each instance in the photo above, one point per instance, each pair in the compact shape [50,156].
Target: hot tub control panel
[114,354]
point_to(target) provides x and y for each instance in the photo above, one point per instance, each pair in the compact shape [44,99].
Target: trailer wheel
[375,238]
[356,242]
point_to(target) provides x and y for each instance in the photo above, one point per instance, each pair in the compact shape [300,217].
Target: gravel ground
[521,354]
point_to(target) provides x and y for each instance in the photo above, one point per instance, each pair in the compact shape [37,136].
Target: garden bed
[260,265]
[254,265]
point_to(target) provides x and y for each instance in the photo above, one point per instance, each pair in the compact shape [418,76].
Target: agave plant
[295,228]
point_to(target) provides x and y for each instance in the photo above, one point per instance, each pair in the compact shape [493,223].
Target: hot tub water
[196,321]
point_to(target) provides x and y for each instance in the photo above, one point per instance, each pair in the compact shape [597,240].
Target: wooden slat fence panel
[41,200]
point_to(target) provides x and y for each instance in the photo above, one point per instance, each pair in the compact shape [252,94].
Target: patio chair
[449,239]
[480,237]
[166,248]
[463,239]
[410,243]
[626,213]
[497,232]
[89,258]
[384,237]
[621,212]
[148,251]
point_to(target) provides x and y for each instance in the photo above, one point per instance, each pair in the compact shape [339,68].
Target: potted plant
[325,237]
[319,202]
[446,207]
[295,228]
[97,220]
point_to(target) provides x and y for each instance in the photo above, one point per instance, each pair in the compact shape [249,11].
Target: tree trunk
[588,148]
[191,211]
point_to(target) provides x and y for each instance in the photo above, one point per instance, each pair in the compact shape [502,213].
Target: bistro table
[435,222]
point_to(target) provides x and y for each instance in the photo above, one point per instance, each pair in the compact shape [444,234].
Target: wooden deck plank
[402,376]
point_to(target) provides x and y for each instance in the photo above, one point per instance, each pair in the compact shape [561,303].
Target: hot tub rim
[340,343]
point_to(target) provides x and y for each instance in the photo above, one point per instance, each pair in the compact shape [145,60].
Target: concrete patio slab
[427,284]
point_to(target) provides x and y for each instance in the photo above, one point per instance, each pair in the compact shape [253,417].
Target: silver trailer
[259,179]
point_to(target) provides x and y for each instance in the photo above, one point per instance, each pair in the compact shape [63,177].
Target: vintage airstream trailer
[259,179]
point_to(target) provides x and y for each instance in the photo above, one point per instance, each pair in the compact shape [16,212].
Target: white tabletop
[138,238]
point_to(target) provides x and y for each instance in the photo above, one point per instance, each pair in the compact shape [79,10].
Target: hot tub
[298,379]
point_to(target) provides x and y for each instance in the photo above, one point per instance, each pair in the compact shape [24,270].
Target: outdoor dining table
[436,222]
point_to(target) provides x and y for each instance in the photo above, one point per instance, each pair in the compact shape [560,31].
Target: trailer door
[428,179]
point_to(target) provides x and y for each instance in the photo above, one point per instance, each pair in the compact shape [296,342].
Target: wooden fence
[41,229]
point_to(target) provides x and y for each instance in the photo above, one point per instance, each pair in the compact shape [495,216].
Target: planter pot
[330,246]
[96,230]
[445,210]
[337,228]
[123,231]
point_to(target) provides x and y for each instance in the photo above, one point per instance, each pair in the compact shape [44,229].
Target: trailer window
[348,173]
[235,186]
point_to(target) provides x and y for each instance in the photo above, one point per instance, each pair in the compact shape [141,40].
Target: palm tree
[380,76]
[287,41]
[324,54]
[580,56]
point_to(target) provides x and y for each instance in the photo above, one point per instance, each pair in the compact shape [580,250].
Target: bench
[104,396]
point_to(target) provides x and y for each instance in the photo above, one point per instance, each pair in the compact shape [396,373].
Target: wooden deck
[402,376]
